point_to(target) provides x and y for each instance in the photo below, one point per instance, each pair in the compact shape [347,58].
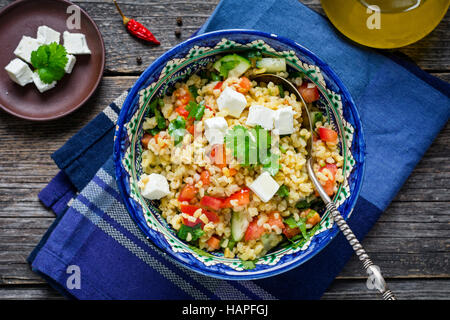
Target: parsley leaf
[195,231]
[252,146]
[283,191]
[194,91]
[301,224]
[177,129]
[243,143]
[196,110]
[49,62]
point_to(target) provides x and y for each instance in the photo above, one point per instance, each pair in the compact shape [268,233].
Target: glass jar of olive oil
[385,23]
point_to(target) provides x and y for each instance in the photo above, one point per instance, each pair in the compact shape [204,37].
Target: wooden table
[411,241]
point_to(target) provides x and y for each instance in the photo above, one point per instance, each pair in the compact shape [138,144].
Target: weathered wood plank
[431,53]
[410,289]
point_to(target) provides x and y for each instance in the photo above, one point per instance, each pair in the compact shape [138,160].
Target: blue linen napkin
[402,110]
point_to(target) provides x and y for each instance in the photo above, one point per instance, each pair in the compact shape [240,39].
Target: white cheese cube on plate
[260,115]
[42,87]
[231,101]
[70,63]
[19,72]
[284,121]
[264,186]
[75,43]
[26,46]
[154,186]
[215,130]
[46,35]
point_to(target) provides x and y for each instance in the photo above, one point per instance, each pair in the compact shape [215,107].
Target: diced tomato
[189,209]
[254,231]
[244,85]
[204,177]
[213,243]
[218,155]
[315,219]
[329,187]
[187,193]
[242,197]
[275,220]
[190,223]
[309,94]
[290,232]
[218,85]
[191,129]
[211,203]
[181,110]
[212,216]
[146,139]
[183,96]
[330,167]
[328,135]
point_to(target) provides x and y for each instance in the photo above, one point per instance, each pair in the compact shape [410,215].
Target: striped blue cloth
[93,239]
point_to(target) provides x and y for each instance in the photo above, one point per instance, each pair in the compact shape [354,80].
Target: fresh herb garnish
[281,90]
[195,231]
[215,77]
[154,110]
[314,204]
[194,91]
[177,129]
[301,224]
[196,110]
[283,191]
[49,61]
[252,146]
[316,117]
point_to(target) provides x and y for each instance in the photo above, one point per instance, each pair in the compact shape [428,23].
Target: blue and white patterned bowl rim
[155,228]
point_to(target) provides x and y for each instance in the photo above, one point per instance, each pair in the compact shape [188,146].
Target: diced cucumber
[232,65]
[272,64]
[269,241]
[239,224]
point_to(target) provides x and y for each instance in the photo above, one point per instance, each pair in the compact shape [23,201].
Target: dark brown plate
[23,18]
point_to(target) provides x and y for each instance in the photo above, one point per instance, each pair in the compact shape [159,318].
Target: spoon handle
[375,280]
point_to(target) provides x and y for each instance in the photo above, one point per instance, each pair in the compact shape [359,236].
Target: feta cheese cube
[215,129]
[75,43]
[264,186]
[231,101]
[46,35]
[154,186]
[19,72]
[70,63]
[284,121]
[26,46]
[42,87]
[259,115]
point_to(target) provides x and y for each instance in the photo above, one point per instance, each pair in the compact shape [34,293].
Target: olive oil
[385,23]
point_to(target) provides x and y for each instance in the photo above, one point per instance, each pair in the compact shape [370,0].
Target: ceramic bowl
[178,64]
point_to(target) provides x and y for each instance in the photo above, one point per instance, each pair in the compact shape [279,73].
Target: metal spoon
[375,279]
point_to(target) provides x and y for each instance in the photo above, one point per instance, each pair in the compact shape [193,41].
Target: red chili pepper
[137,29]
